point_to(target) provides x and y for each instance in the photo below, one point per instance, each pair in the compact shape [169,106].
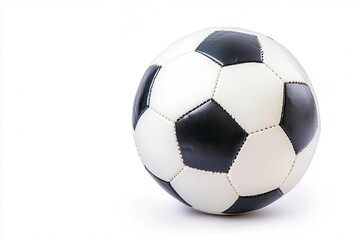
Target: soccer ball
[226,120]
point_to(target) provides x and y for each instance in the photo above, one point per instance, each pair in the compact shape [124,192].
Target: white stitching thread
[160,114]
[274,72]
[297,82]
[263,60]
[271,69]
[265,128]
[237,153]
[294,162]
[179,150]
[227,176]
[217,83]
[178,56]
[182,169]
[261,49]
[193,109]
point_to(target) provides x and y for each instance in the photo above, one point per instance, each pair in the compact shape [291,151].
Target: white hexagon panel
[235,91]
[193,186]
[281,61]
[183,84]
[157,145]
[263,163]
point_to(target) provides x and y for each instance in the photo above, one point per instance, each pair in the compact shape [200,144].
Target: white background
[70,69]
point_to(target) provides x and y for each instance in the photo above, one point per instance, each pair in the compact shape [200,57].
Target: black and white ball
[226,120]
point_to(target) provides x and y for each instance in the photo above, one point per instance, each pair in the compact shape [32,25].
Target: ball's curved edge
[300,165]
[141,101]
[264,51]
[252,203]
[168,188]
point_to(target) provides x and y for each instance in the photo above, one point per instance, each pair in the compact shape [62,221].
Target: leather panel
[263,163]
[301,164]
[300,119]
[205,191]
[183,84]
[229,47]
[209,138]
[168,188]
[251,203]
[157,146]
[252,94]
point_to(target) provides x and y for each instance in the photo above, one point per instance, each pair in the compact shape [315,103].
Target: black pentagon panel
[247,204]
[209,138]
[141,101]
[300,118]
[168,188]
[228,47]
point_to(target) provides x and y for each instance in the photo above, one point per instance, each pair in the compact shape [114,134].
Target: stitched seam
[228,114]
[182,169]
[232,64]
[297,82]
[239,127]
[282,80]
[294,162]
[279,77]
[263,60]
[237,153]
[178,56]
[179,150]
[182,116]
[217,83]
[263,129]
[177,143]
[232,185]
[209,171]
[268,66]
[211,99]
[160,114]
[261,48]
[210,57]
[291,168]
[288,138]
